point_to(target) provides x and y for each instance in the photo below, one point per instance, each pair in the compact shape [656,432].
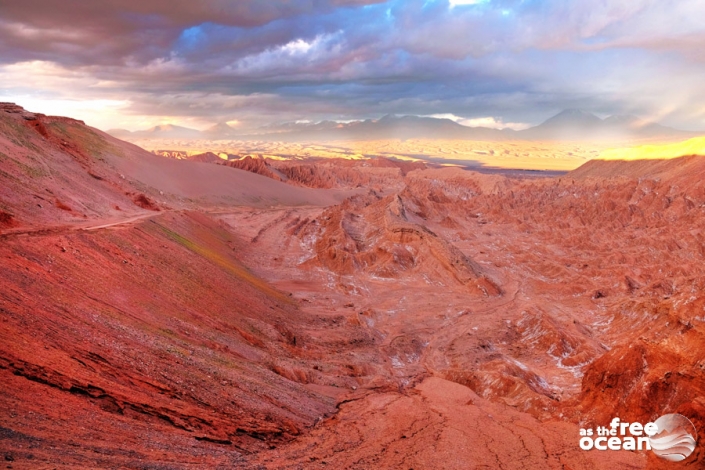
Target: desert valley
[338,313]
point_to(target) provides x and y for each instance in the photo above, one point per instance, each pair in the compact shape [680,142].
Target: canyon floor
[157,313]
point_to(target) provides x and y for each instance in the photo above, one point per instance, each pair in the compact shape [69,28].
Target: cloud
[487,121]
[114,31]
[518,61]
[454,3]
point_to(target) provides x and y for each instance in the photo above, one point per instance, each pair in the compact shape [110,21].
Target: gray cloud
[261,61]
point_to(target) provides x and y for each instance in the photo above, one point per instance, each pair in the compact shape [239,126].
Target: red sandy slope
[133,336]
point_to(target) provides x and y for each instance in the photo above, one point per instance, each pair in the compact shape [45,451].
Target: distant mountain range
[575,124]
[571,124]
[164,131]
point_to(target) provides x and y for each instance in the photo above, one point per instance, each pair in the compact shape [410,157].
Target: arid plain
[530,155]
[371,310]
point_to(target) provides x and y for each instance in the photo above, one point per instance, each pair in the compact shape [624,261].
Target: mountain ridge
[569,125]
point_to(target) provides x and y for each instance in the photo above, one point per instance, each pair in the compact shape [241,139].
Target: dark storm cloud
[106,31]
[260,61]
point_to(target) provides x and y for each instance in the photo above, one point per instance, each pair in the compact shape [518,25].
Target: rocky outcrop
[254,165]
[206,157]
[373,235]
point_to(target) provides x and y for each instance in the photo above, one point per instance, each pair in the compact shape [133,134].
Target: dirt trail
[82,225]
[115,223]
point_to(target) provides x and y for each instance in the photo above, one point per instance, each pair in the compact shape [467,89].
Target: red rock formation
[374,235]
[336,175]
[254,165]
[381,162]
[330,173]
[552,245]
[207,157]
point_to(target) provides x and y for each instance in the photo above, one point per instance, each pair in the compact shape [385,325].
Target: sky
[497,63]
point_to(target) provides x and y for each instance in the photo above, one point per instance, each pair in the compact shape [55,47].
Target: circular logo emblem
[675,439]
